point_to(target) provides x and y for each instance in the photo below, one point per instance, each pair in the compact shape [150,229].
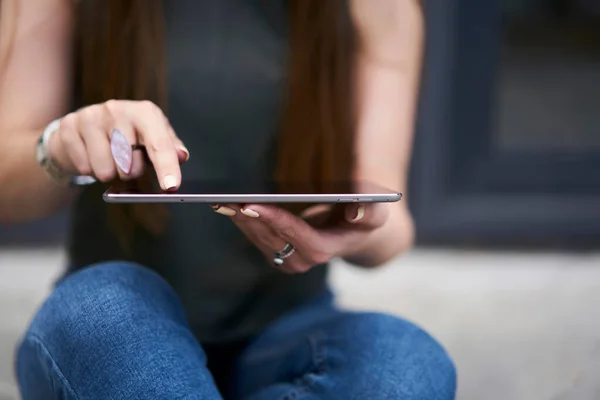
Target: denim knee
[96,309]
[101,295]
[395,358]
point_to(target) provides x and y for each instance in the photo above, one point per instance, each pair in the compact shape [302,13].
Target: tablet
[221,192]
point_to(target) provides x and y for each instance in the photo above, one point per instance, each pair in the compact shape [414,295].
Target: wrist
[56,152]
[46,154]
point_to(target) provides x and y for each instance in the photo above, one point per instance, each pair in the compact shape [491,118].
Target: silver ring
[281,255]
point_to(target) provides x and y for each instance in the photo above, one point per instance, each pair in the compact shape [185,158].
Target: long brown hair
[120,47]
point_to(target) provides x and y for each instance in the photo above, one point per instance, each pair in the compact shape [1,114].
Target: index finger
[153,131]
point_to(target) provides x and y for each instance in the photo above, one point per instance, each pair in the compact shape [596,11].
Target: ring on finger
[280,256]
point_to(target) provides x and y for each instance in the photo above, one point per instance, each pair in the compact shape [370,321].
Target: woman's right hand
[81,146]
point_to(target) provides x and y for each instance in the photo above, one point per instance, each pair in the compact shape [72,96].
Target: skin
[38,32]
[388,65]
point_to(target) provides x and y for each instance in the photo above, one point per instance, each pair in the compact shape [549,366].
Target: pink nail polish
[121,151]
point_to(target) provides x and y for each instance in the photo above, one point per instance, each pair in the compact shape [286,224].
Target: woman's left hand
[319,235]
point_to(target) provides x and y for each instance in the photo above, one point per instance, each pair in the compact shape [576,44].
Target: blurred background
[505,191]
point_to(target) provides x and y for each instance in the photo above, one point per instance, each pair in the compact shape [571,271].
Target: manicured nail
[186,151]
[229,212]
[121,151]
[169,182]
[249,213]
[360,213]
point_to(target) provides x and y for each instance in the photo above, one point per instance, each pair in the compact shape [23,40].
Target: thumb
[183,154]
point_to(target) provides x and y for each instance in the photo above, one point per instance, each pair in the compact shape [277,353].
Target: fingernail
[360,213]
[249,213]
[186,151]
[169,182]
[229,212]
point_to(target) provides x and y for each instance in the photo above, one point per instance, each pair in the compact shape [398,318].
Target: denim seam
[304,385]
[296,393]
[262,355]
[278,351]
[36,339]
[318,351]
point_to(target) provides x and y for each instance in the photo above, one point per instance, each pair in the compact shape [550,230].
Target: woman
[185,302]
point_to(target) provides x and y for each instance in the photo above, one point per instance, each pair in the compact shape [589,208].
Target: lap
[328,353]
[118,330]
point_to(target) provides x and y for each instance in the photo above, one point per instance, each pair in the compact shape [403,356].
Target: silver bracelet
[45,160]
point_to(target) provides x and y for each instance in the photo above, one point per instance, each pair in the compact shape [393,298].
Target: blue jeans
[118,331]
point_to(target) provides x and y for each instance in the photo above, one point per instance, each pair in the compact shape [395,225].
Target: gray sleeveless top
[226,71]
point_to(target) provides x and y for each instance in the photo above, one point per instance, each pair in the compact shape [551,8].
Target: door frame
[480,197]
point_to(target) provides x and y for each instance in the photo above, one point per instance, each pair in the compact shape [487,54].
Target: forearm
[36,60]
[388,68]
[26,191]
[395,237]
